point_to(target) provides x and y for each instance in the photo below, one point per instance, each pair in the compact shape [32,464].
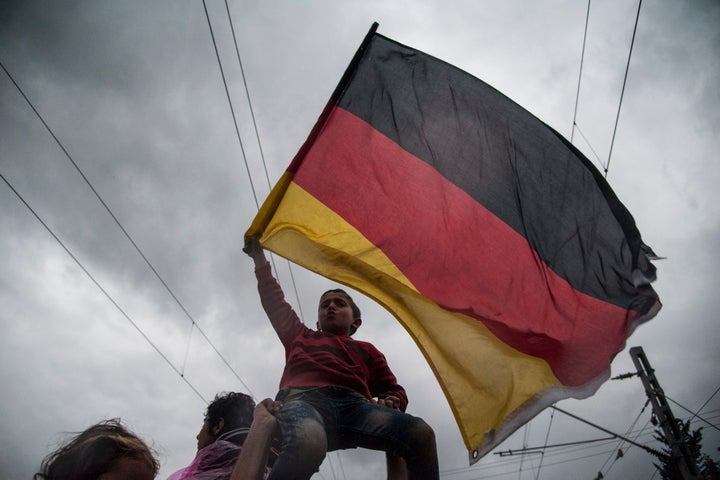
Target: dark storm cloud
[134,92]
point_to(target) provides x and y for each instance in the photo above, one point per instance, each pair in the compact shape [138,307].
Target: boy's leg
[367,425]
[304,442]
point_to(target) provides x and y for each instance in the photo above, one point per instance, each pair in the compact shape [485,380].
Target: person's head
[337,313]
[105,451]
[229,413]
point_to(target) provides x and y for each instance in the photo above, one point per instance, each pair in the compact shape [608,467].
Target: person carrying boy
[329,384]
[233,427]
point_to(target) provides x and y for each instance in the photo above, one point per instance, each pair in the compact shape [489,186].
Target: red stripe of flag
[456,252]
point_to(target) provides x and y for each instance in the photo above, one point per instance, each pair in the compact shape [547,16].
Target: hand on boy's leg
[252,461]
[265,411]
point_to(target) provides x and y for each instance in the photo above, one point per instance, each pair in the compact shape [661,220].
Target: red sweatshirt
[318,359]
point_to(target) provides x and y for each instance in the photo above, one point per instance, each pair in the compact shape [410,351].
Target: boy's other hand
[389,401]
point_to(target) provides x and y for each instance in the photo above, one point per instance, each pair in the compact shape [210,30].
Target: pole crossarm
[522,451]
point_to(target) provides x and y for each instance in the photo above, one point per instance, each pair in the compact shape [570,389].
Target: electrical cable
[187,347]
[525,449]
[575,126]
[622,93]
[547,437]
[486,467]
[582,60]
[555,451]
[694,414]
[619,444]
[247,92]
[597,157]
[120,226]
[232,109]
[524,444]
[644,447]
[708,400]
[262,154]
[100,287]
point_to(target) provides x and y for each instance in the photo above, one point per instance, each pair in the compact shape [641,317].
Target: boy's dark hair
[236,409]
[355,309]
[95,451]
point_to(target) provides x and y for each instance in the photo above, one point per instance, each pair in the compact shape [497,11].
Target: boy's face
[335,314]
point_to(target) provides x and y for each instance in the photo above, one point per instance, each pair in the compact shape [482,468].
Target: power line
[547,437]
[232,109]
[524,444]
[694,414]
[247,92]
[644,447]
[100,287]
[557,454]
[582,60]
[555,451]
[605,165]
[619,444]
[121,227]
[187,347]
[545,446]
[622,93]
[257,136]
[706,402]
[597,157]
[486,467]
[575,126]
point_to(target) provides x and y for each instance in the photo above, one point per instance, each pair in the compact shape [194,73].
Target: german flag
[496,244]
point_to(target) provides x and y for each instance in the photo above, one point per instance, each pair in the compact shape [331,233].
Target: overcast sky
[133,92]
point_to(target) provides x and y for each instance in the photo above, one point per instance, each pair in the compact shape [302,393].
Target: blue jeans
[330,418]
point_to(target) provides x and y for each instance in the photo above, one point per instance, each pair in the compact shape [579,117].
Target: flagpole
[276,194]
[352,67]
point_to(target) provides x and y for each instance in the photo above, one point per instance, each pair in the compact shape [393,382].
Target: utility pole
[679,450]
